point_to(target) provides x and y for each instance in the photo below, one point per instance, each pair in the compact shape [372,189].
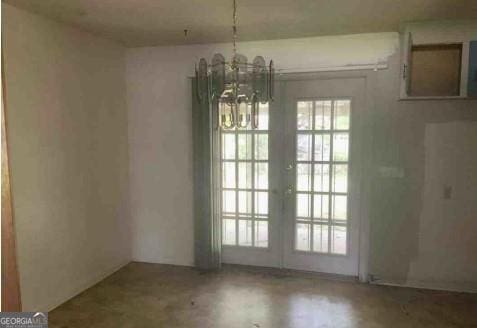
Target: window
[244,177]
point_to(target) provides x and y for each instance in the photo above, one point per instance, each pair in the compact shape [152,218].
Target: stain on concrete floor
[156,295]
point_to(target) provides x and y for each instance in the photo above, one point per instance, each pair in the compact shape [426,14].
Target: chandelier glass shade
[235,88]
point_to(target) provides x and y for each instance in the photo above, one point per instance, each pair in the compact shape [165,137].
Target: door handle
[289,167]
[289,190]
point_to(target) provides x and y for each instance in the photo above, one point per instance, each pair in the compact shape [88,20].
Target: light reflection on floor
[308,310]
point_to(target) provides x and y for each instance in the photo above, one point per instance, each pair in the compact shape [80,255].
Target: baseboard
[82,287]
[430,285]
[177,263]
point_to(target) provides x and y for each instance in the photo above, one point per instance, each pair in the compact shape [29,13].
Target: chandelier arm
[240,121]
[232,117]
[229,126]
[254,118]
[226,125]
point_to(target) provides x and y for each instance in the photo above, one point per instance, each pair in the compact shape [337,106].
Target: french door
[290,189]
[322,164]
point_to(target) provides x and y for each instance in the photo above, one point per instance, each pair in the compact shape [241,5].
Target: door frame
[366,158]
[269,257]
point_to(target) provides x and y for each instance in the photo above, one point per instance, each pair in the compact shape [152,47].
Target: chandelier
[235,88]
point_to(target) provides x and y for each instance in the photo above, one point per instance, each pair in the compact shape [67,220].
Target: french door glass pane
[303,237]
[339,207]
[320,207]
[245,232]
[340,178]
[228,231]
[261,175]
[228,201]
[322,147]
[304,115]
[320,238]
[303,172]
[261,146]
[245,203]
[341,115]
[228,176]
[228,146]
[244,175]
[338,244]
[303,205]
[340,147]
[303,147]
[261,233]
[323,115]
[261,204]
[244,146]
[322,179]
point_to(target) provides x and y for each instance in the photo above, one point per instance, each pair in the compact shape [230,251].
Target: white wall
[446,249]
[67,130]
[161,148]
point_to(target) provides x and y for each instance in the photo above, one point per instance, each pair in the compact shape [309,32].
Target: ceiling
[162,22]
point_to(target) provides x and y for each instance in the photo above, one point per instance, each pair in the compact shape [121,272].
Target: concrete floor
[153,295]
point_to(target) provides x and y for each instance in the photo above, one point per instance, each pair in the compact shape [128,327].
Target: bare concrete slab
[155,295]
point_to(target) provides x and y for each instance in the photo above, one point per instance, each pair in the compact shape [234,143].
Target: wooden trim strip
[11,299]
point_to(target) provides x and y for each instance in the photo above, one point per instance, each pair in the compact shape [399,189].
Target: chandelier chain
[235,27]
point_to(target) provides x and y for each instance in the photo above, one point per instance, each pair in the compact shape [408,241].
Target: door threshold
[285,273]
